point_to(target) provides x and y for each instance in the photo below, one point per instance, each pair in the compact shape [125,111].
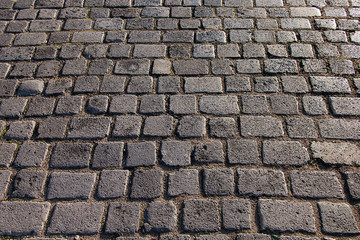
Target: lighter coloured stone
[336,153]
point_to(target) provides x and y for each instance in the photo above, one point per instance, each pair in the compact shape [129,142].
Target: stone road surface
[180,119]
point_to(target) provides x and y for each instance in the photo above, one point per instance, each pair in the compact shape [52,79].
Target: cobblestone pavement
[180,119]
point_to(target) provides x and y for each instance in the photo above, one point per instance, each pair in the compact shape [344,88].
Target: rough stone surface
[336,153]
[286,216]
[284,153]
[123,218]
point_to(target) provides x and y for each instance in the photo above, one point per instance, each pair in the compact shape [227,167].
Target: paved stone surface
[180,119]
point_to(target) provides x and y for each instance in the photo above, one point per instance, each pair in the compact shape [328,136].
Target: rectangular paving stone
[261,182]
[66,185]
[158,126]
[147,184]
[345,106]
[132,67]
[52,128]
[76,218]
[71,155]
[191,67]
[12,108]
[219,105]
[123,217]
[23,218]
[243,152]
[284,153]
[31,154]
[200,215]
[89,128]
[87,37]
[107,155]
[353,183]
[218,182]
[339,129]
[236,214]
[286,216]
[322,84]
[315,184]
[280,66]
[127,126]
[28,184]
[141,154]
[30,39]
[4,182]
[112,184]
[337,218]
[260,126]
[20,130]
[16,53]
[7,151]
[144,37]
[183,182]
[209,152]
[203,85]
[160,217]
[342,153]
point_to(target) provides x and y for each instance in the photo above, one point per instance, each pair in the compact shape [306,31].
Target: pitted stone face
[133,67]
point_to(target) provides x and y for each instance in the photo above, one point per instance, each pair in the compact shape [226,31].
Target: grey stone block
[123,51]
[228,51]
[219,105]
[236,214]
[143,84]
[4,182]
[192,127]
[39,107]
[4,69]
[286,216]
[201,216]
[170,85]
[322,84]
[342,153]
[141,154]
[74,67]
[294,84]
[65,185]
[112,184]
[58,87]
[175,153]
[16,53]
[260,126]
[142,23]
[22,70]
[70,51]
[280,66]
[7,87]
[183,36]
[342,66]
[89,128]
[222,127]
[204,51]
[261,182]
[31,154]
[175,237]
[147,184]
[112,84]
[191,67]
[97,104]
[248,66]
[88,37]
[345,106]
[23,218]
[95,51]
[12,108]
[30,39]
[52,128]
[107,155]
[127,126]
[237,84]
[20,130]
[283,104]
[160,217]
[242,152]
[183,104]
[251,50]
[125,103]
[144,37]
[71,155]
[183,182]
[254,104]
[353,184]
[7,151]
[218,182]
[123,218]
[337,218]
[211,36]
[314,105]
[151,51]
[203,85]
[180,51]
[76,218]
[315,184]
[339,129]
[29,184]
[284,153]
[86,84]
[152,104]
[31,87]
[209,152]
[266,84]
[301,128]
